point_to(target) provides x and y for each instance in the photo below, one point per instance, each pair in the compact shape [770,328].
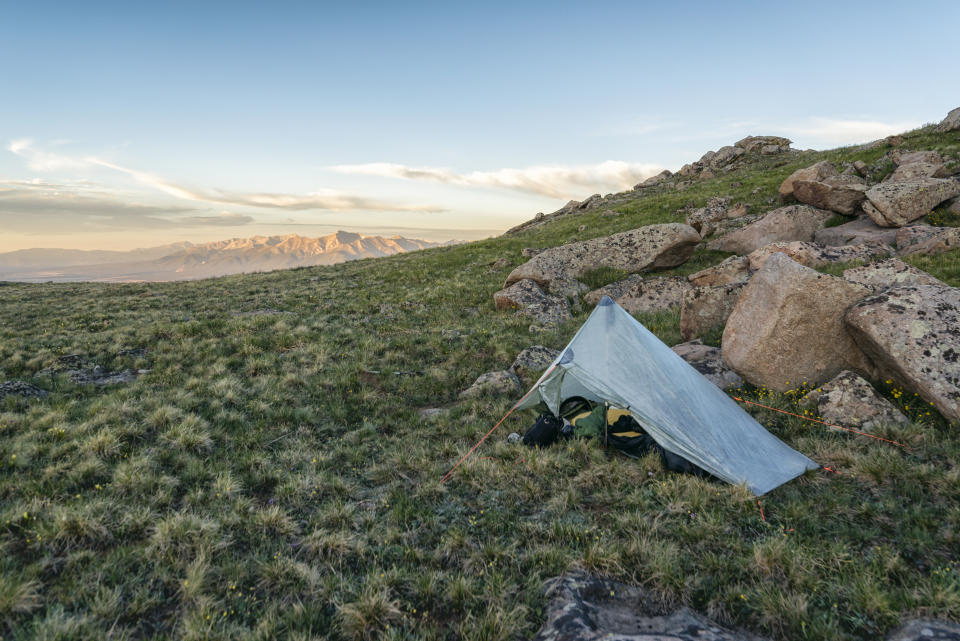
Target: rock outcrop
[735,269]
[912,234]
[788,326]
[850,401]
[841,194]
[813,255]
[857,232]
[794,222]
[21,389]
[492,384]
[946,240]
[819,171]
[527,298]
[707,308]
[951,122]
[889,273]
[912,333]
[708,361]
[654,294]
[897,204]
[613,290]
[533,360]
[586,608]
[646,248]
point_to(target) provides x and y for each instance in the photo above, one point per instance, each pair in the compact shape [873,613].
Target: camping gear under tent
[614,359]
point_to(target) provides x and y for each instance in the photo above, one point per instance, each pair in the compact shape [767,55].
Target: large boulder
[587,608]
[493,384]
[951,122]
[528,299]
[756,144]
[842,194]
[819,171]
[912,333]
[708,361]
[788,326]
[654,294]
[707,308]
[850,401]
[899,203]
[889,273]
[813,255]
[646,248]
[857,232]
[735,269]
[944,241]
[613,290]
[794,222]
[533,360]
[912,234]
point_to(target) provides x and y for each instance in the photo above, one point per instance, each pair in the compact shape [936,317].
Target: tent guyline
[814,420]
[446,477]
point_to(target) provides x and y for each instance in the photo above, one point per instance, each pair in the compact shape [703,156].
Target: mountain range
[187,261]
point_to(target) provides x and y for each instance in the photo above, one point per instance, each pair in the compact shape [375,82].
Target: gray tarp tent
[615,359]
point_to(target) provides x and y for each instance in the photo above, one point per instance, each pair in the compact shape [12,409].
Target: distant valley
[187,261]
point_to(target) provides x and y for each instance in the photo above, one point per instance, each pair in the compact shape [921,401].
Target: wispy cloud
[551,181]
[327,200]
[835,132]
[80,206]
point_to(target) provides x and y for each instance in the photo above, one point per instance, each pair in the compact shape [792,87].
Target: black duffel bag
[544,432]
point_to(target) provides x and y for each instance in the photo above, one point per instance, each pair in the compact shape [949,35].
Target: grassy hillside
[270,476]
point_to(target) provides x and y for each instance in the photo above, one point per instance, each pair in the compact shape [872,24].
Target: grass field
[269,477]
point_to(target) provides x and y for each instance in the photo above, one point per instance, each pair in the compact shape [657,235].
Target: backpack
[544,432]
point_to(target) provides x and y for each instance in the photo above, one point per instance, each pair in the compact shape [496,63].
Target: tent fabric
[615,359]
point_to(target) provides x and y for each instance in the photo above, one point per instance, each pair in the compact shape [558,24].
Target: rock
[755,144]
[819,171]
[896,204]
[704,219]
[723,227]
[613,290]
[842,194]
[861,168]
[889,273]
[725,156]
[654,294]
[653,180]
[788,326]
[926,629]
[913,335]
[953,206]
[912,234]
[514,438]
[493,384]
[587,608]
[706,308]
[530,252]
[708,361]
[929,157]
[813,255]
[735,269]
[500,263]
[651,247]
[794,222]
[951,122]
[533,360]
[859,231]
[432,413]
[99,376]
[850,401]
[22,389]
[946,240]
[610,213]
[916,170]
[527,297]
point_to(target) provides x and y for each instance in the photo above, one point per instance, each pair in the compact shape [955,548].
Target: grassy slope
[261,482]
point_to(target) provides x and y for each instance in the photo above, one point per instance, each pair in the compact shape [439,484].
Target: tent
[616,360]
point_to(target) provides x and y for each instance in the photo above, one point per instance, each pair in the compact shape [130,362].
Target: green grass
[270,476]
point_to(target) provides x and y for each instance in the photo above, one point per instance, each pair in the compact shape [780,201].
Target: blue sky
[135,124]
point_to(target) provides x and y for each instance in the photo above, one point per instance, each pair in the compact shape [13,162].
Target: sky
[135,124]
